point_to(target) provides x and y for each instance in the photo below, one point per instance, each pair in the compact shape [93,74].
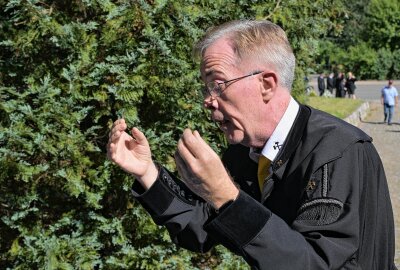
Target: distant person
[330,81]
[309,88]
[321,84]
[340,91]
[389,99]
[351,85]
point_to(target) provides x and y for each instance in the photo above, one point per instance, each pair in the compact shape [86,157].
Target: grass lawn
[339,107]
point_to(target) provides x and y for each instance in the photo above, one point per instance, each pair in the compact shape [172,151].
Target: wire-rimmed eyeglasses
[215,89]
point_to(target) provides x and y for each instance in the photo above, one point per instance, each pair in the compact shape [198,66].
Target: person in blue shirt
[389,100]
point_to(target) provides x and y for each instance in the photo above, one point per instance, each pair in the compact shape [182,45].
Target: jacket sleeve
[326,232]
[170,203]
[324,235]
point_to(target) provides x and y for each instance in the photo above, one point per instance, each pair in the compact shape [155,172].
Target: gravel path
[387,140]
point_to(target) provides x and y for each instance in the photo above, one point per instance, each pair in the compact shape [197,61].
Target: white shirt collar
[278,137]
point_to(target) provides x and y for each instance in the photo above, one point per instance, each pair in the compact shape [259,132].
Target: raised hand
[202,170]
[132,153]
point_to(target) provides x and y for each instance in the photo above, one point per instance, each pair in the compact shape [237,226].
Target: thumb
[138,136]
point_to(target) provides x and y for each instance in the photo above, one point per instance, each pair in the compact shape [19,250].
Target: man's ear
[269,85]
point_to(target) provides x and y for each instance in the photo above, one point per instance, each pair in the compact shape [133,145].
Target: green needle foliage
[68,69]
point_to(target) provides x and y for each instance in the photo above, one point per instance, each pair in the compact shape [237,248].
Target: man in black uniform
[297,188]
[321,84]
[330,81]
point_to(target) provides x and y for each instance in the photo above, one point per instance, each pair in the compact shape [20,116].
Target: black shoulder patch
[320,211]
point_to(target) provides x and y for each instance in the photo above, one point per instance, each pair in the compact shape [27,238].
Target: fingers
[118,127]
[185,172]
[186,145]
[191,144]
[202,142]
[119,123]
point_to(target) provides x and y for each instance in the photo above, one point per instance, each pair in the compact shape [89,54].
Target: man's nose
[210,102]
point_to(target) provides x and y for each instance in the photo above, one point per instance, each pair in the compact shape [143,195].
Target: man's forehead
[217,63]
[218,48]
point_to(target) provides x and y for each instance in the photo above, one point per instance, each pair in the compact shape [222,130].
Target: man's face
[238,109]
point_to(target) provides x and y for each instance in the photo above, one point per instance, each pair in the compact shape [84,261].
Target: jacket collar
[292,142]
[276,141]
[310,132]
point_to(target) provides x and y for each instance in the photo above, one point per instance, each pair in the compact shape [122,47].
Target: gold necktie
[263,170]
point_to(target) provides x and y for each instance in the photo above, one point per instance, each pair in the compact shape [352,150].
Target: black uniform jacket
[328,206]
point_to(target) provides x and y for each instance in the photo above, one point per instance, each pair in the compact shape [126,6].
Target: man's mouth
[222,123]
[220,120]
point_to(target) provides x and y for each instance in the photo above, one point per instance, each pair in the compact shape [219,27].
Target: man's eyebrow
[213,73]
[209,72]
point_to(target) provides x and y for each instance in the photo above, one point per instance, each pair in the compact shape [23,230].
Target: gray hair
[260,40]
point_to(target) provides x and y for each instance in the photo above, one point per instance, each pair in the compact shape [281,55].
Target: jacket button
[279,162]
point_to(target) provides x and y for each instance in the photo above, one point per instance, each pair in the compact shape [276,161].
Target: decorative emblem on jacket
[277,146]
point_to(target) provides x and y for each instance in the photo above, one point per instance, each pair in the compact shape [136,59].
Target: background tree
[68,69]
[369,43]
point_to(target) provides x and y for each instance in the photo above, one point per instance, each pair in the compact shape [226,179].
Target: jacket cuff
[239,222]
[157,198]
